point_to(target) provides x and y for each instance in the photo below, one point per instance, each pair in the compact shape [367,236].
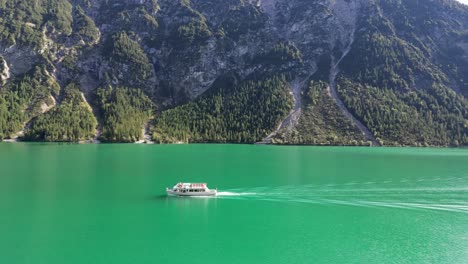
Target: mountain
[321,72]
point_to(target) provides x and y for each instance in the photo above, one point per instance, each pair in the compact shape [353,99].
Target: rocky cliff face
[364,52]
[4,71]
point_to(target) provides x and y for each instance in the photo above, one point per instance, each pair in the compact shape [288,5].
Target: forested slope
[340,72]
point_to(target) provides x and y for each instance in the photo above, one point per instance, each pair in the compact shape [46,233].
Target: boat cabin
[190,187]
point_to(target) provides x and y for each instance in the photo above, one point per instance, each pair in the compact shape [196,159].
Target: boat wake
[365,194]
[234,194]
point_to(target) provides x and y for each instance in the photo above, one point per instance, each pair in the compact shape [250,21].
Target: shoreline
[144,142]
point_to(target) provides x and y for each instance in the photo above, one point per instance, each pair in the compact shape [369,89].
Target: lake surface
[63,203]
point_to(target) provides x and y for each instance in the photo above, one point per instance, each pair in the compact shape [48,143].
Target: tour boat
[191,189]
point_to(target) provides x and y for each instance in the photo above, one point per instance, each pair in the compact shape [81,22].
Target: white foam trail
[235,193]
[363,194]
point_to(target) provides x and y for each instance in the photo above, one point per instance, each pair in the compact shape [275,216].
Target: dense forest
[84,27]
[128,62]
[72,120]
[245,113]
[124,111]
[25,99]
[20,20]
[420,117]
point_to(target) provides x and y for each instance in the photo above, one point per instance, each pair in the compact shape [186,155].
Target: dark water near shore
[106,204]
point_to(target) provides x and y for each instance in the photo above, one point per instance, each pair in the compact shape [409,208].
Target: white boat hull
[207,193]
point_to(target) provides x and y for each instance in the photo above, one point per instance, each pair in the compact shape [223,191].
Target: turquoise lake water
[65,203]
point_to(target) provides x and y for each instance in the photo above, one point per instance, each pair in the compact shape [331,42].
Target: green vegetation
[120,49]
[389,62]
[454,61]
[21,22]
[69,63]
[10,114]
[389,83]
[59,15]
[124,112]
[415,20]
[241,20]
[148,20]
[84,27]
[72,121]
[130,16]
[322,122]
[229,112]
[404,77]
[194,29]
[434,116]
[24,99]
[282,53]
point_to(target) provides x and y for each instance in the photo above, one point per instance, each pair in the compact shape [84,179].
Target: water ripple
[364,194]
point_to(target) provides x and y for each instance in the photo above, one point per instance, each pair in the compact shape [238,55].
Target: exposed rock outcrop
[4,71]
